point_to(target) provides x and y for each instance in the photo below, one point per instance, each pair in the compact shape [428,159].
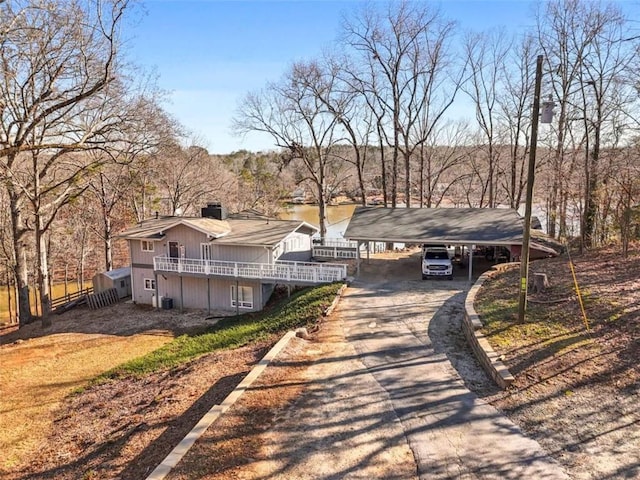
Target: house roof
[232,231]
[478,226]
[154,228]
[263,232]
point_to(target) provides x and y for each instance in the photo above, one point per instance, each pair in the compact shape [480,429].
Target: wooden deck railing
[295,272]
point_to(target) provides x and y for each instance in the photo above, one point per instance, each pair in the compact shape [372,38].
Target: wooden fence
[103,299]
[71,299]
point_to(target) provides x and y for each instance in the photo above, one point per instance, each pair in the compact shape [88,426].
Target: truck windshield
[431,255]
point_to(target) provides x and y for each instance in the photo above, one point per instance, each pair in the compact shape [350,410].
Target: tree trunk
[394,178]
[322,212]
[383,169]
[407,179]
[9,299]
[43,274]
[421,178]
[108,251]
[21,272]
[591,194]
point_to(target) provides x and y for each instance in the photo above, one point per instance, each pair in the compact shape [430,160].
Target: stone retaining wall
[485,354]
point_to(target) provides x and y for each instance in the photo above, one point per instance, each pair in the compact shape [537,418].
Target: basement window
[245,296]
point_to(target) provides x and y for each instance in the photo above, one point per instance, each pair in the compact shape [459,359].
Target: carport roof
[477,226]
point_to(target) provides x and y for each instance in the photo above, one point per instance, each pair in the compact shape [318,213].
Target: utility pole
[526,233]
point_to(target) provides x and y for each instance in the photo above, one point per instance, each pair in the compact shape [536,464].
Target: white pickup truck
[436,262]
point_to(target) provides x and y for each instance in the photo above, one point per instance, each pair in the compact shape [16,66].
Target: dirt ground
[578,392]
[41,367]
[585,417]
[274,430]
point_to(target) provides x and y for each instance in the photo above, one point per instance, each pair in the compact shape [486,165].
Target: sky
[209,54]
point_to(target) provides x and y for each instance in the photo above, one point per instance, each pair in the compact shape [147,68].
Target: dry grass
[39,373]
[576,391]
[41,367]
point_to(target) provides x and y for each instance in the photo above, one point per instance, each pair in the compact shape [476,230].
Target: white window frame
[147,245]
[245,297]
[150,284]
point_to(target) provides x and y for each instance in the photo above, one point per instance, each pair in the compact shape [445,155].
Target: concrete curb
[334,304]
[171,460]
[471,325]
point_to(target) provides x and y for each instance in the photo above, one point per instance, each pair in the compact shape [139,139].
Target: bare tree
[301,125]
[57,59]
[602,91]
[332,84]
[515,115]
[586,52]
[439,158]
[486,54]
[406,62]
[147,128]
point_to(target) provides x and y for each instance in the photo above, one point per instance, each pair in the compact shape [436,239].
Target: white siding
[194,292]
[296,247]
[144,258]
[233,253]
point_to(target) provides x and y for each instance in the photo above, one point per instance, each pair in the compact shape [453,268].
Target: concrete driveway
[395,321]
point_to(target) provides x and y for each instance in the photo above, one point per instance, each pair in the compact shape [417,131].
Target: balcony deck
[281,271]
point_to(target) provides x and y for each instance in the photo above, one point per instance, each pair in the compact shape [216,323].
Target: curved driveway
[451,432]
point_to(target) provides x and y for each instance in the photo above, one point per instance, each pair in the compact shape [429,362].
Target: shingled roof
[232,231]
[476,226]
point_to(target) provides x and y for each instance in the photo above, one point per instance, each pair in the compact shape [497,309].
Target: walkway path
[451,432]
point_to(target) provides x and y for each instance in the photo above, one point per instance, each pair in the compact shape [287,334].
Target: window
[147,245]
[205,251]
[149,284]
[245,296]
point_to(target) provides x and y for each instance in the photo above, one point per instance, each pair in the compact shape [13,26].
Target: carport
[468,227]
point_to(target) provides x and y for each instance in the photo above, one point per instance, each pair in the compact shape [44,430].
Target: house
[120,279]
[221,261]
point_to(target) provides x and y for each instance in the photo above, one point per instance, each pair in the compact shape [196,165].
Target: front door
[174,251]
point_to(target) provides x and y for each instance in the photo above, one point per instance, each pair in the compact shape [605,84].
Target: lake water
[338,217]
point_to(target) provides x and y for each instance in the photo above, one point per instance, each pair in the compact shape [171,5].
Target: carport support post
[358,258]
[470,263]
[526,233]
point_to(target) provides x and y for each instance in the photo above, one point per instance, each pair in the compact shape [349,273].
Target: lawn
[42,368]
